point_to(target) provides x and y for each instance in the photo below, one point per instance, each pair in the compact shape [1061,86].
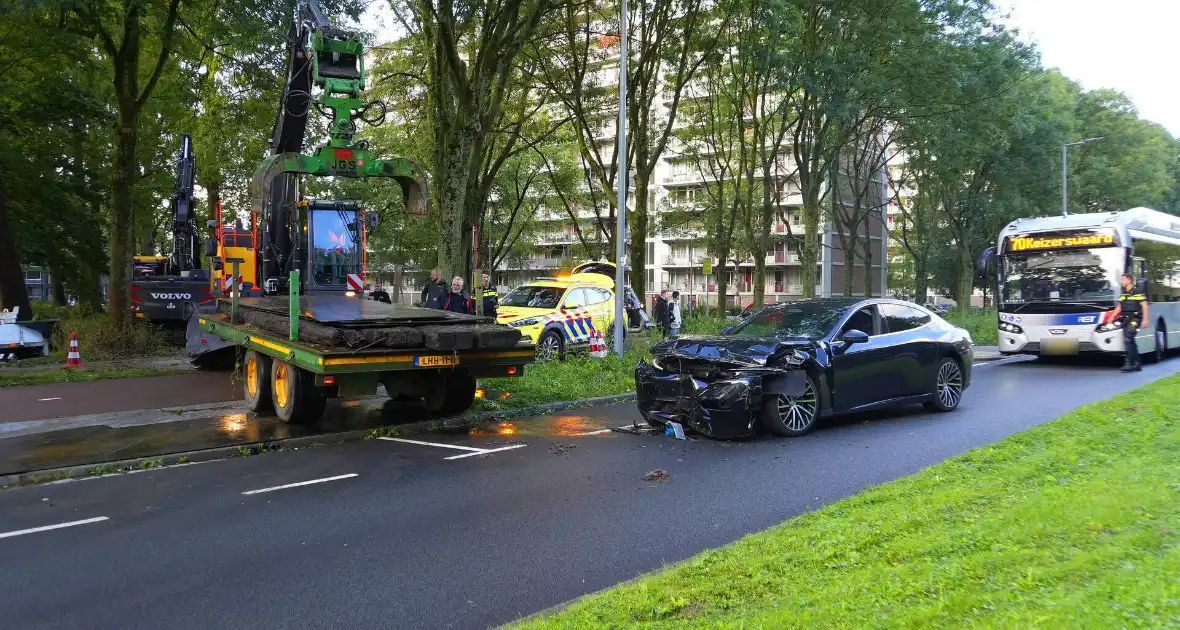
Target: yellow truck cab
[557,314]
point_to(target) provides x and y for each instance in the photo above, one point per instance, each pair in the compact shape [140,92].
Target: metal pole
[1064,181]
[1065,173]
[293,303]
[621,227]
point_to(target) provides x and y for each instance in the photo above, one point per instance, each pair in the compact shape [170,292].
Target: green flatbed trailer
[295,378]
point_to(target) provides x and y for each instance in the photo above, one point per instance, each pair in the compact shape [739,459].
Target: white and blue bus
[1058,281]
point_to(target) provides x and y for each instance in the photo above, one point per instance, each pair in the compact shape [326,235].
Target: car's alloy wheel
[948,388]
[792,416]
[548,347]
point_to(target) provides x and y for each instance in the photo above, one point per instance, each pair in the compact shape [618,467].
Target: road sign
[708,267]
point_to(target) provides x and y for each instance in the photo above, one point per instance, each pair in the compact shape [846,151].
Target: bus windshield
[1062,275]
[334,246]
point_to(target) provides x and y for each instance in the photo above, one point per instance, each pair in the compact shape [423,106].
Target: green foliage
[981,323]
[1070,524]
[43,377]
[575,378]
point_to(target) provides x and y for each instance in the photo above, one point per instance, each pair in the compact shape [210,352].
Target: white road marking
[598,432]
[48,399]
[1003,361]
[454,446]
[301,483]
[46,528]
[486,451]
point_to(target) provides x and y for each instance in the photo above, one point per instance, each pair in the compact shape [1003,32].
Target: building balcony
[783,258]
[690,177]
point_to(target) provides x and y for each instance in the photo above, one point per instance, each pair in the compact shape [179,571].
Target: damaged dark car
[787,366]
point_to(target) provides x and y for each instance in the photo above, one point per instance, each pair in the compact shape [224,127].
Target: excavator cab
[337,260]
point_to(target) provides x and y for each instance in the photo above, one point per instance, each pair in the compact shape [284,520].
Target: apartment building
[675,257]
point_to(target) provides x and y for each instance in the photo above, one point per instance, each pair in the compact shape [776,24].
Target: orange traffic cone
[598,347]
[74,359]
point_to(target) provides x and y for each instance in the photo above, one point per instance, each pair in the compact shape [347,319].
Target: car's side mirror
[854,336]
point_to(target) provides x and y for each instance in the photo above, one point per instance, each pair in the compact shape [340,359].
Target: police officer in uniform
[1132,312]
[491,299]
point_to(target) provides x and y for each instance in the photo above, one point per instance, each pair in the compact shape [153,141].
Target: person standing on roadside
[674,318]
[435,290]
[456,299]
[662,311]
[1132,311]
[491,299]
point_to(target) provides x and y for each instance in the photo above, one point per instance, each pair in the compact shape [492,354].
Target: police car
[559,314]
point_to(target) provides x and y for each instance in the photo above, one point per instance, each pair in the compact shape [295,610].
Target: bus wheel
[1161,343]
[296,398]
[256,382]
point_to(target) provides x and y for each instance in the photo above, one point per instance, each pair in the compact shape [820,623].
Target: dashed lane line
[486,451]
[300,483]
[46,528]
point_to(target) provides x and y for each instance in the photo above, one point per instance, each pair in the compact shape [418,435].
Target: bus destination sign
[1059,241]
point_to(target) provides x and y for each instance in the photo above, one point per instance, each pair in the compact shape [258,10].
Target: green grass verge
[576,378]
[45,377]
[579,376]
[1073,524]
[981,323]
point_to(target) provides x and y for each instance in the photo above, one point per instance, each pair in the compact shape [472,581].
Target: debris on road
[676,429]
[558,449]
[658,474]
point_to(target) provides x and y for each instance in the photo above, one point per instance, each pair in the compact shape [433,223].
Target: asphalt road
[402,537]
[58,400]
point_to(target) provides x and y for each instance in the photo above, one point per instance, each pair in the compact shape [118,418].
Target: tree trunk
[58,286]
[122,219]
[759,278]
[921,266]
[867,257]
[12,278]
[966,279]
[809,253]
[638,234]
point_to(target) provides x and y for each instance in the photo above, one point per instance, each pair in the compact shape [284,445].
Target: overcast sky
[1128,45]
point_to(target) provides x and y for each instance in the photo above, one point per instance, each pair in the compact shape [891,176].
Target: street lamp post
[1065,172]
[621,178]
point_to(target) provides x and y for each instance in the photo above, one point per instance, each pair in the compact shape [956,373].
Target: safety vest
[1132,304]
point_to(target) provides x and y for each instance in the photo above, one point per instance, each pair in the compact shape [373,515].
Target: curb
[96,470]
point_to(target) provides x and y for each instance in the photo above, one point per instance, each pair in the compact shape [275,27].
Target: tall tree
[119,29]
[473,51]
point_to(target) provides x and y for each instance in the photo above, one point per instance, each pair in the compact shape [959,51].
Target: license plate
[1059,346]
[437,361]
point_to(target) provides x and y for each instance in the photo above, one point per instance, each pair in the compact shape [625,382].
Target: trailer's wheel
[451,393]
[256,374]
[296,398]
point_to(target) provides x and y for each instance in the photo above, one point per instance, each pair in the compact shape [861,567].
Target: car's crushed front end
[716,385]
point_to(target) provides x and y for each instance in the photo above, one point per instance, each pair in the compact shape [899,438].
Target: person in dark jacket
[456,300]
[662,312]
[491,299]
[435,290]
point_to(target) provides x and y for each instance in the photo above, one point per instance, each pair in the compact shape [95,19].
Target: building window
[32,275]
[651,252]
[651,279]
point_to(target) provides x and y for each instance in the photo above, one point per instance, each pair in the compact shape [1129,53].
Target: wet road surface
[467,530]
[58,400]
